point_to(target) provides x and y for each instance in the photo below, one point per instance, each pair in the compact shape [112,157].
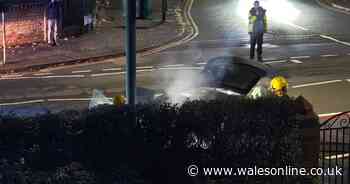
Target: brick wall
[24,25]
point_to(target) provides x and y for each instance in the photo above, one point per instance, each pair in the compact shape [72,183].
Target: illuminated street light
[277,10]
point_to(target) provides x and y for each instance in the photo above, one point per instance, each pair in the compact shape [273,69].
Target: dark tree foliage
[105,145]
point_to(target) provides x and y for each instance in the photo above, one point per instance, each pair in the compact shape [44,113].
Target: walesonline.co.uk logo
[194,170]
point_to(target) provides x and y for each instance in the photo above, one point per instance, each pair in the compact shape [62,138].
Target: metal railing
[335,147]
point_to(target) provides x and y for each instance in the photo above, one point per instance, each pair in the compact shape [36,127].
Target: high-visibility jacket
[257,22]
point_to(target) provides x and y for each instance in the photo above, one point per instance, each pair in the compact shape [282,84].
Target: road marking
[182,68]
[176,65]
[349,54]
[297,26]
[18,78]
[144,67]
[82,71]
[332,157]
[41,74]
[43,77]
[201,63]
[62,76]
[273,62]
[190,23]
[316,83]
[348,80]
[106,74]
[21,103]
[68,99]
[11,76]
[147,70]
[111,69]
[330,55]
[340,7]
[300,57]
[335,40]
[296,61]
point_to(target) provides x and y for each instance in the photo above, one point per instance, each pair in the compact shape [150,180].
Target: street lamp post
[130,49]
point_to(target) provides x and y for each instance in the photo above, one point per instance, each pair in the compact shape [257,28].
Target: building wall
[24,25]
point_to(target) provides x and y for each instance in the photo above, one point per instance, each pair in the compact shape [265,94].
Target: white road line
[300,57]
[335,40]
[111,69]
[340,7]
[297,26]
[201,63]
[330,55]
[18,78]
[106,74]
[296,61]
[21,103]
[68,99]
[147,70]
[82,71]
[177,65]
[144,67]
[62,76]
[347,80]
[44,77]
[349,54]
[41,74]
[316,83]
[182,68]
[328,114]
[273,62]
[11,76]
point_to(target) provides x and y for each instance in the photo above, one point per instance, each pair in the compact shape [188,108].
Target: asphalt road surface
[305,42]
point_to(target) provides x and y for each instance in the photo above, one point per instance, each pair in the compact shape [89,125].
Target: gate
[335,148]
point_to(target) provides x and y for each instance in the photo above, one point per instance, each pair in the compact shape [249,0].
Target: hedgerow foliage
[107,144]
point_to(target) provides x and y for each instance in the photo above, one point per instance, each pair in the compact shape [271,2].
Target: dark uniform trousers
[256,39]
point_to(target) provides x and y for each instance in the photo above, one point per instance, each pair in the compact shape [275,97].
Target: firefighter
[256,28]
[119,100]
[279,86]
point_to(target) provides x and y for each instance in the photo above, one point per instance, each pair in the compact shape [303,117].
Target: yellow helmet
[279,85]
[119,100]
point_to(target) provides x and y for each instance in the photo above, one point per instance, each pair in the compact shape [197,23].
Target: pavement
[105,41]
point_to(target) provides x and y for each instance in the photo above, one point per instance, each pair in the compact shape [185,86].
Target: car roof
[239,60]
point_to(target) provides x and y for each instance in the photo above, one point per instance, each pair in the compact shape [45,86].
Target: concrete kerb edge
[96,59]
[328,6]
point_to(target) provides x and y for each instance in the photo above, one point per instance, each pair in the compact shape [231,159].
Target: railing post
[45,25]
[3,36]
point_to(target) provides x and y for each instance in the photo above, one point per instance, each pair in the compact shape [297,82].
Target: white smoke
[180,87]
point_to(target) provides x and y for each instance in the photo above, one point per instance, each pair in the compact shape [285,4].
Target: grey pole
[130,50]
[164,9]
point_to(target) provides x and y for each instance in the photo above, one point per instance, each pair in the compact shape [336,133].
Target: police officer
[257,27]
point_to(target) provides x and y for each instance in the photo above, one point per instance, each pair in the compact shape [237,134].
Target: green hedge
[106,144]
